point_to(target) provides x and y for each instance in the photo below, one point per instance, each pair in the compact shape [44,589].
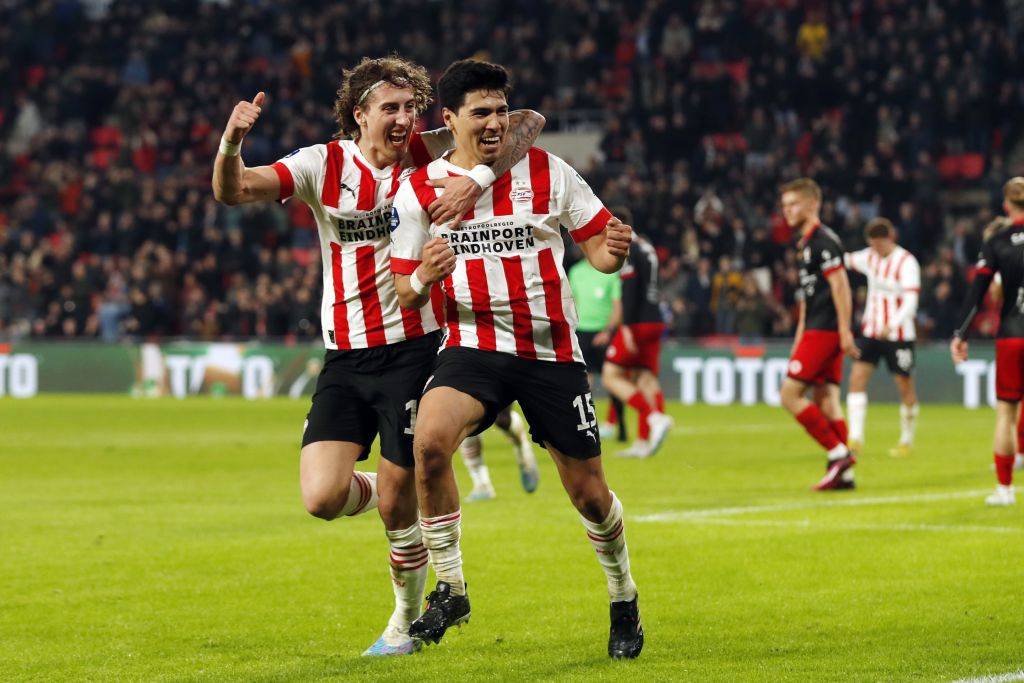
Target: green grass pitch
[166,541]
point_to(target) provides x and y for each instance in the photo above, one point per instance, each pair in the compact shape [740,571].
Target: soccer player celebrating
[1002,253]
[822,335]
[378,355]
[630,371]
[894,284]
[509,336]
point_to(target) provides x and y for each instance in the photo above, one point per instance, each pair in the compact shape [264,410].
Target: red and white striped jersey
[509,292]
[894,287]
[351,201]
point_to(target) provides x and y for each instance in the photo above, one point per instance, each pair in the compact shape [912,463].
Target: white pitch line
[995,678]
[808,524]
[782,507]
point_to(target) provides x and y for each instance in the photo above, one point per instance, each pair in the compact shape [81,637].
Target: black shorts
[592,355]
[363,392]
[898,355]
[554,397]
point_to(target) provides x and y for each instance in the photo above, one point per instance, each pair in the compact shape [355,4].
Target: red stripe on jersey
[984,271]
[831,270]
[522,319]
[911,289]
[424,193]
[899,303]
[284,177]
[561,335]
[367,187]
[885,313]
[596,225]
[403,266]
[451,313]
[412,321]
[373,319]
[899,266]
[418,150]
[396,176]
[437,302]
[888,267]
[501,195]
[476,274]
[340,307]
[540,180]
[469,215]
[332,177]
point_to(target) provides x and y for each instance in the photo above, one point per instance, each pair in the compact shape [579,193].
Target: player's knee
[322,504]
[589,499]
[432,452]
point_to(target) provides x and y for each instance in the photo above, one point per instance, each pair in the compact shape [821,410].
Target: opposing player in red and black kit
[630,371]
[1002,252]
[823,334]
[378,355]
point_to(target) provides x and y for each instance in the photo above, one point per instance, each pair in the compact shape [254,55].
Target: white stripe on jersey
[890,279]
[351,202]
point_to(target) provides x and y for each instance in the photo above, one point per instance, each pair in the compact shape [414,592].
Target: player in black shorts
[1002,252]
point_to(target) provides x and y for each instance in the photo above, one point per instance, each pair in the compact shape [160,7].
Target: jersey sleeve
[580,210]
[910,275]
[429,145]
[829,257]
[857,260]
[299,172]
[986,264]
[410,230]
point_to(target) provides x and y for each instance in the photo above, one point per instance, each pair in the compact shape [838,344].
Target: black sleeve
[632,292]
[976,292]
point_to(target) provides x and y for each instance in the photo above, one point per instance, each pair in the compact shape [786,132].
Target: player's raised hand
[459,197]
[618,237]
[243,118]
[438,260]
[958,350]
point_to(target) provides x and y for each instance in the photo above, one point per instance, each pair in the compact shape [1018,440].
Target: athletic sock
[643,430]
[609,541]
[908,423]
[839,427]
[1020,434]
[818,427]
[640,404]
[613,414]
[408,563]
[441,538]
[659,401]
[472,455]
[857,410]
[516,431]
[1004,469]
[362,494]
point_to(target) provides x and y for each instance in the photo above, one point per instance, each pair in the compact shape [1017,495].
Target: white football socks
[908,423]
[408,563]
[609,541]
[441,537]
[472,455]
[856,411]
[362,494]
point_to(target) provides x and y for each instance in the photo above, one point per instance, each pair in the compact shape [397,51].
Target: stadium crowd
[113,112]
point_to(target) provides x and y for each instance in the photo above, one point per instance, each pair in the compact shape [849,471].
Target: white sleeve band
[417,284]
[482,175]
[230,149]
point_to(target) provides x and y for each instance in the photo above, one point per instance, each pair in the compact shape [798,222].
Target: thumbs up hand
[243,118]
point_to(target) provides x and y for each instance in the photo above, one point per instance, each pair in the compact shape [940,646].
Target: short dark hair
[468,75]
[879,228]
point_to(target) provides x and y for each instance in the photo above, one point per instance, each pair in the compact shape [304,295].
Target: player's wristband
[417,284]
[482,175]
[230,149]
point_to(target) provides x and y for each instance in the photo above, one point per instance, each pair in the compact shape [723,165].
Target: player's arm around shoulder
[417,260]
[232,182]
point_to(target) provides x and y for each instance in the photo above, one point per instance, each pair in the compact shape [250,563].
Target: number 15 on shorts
[584,403]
